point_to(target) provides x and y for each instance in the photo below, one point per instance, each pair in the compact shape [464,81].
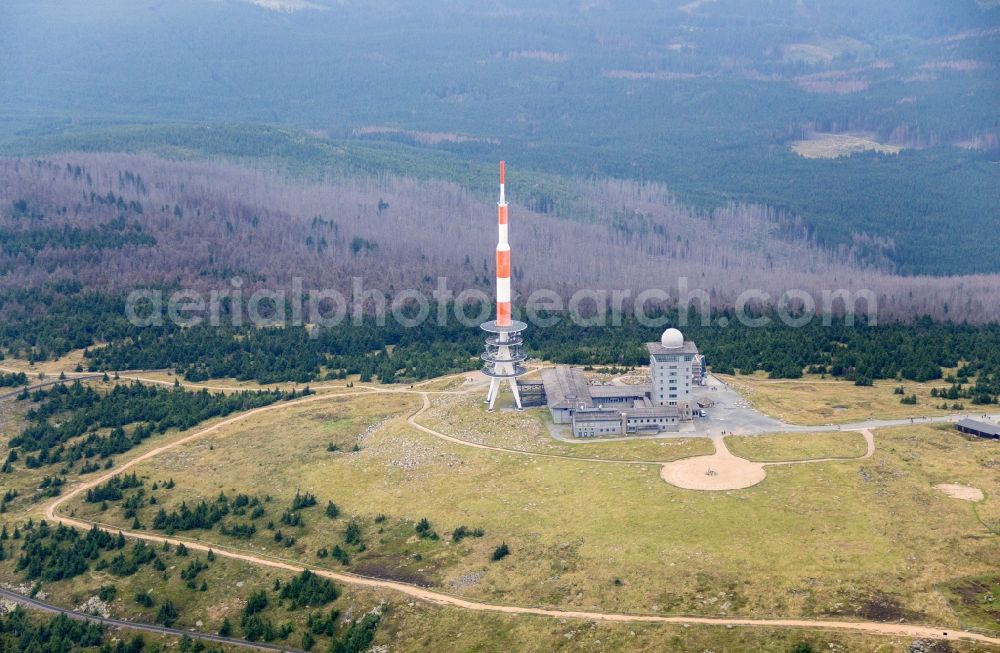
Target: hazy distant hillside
[714,99]
[117,221]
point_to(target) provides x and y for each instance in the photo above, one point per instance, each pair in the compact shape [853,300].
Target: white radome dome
[672,339]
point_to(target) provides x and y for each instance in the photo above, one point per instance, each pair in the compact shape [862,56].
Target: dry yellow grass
[608,536]
[465,417]
[233,385]
[812,400]
[797,446]
[50,368]
[417,626]
[452,383]
[214,384]
[600,536]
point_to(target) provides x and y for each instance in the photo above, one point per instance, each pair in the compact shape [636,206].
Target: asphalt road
[148,628]
[10,395]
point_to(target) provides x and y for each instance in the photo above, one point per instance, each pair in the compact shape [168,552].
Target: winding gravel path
[445,599]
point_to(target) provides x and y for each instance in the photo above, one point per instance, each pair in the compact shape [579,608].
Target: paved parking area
[731,413]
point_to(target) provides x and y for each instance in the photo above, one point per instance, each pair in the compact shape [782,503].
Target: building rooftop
[566,387]
[981,427]
[654,411]
[632,391]
[597,415]
[657,348]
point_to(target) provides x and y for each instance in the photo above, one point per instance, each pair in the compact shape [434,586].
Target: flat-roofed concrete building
[598,422]
[603,410]
[652,419]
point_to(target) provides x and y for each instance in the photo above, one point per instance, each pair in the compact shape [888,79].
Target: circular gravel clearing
[720,471]
[963,492]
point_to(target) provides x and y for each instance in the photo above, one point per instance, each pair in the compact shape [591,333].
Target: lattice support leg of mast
[495,384]
[502,359]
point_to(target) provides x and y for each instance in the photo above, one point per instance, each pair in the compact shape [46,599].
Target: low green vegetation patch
[171,586]
[111,489]
[976,600]
[59,416]
[797,446]
[394,548]
[53,554]
[61,552]
[21,631]
[307,590]
[9,380]
[206,514]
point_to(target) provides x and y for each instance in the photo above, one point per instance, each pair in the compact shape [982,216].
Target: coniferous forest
[391,353]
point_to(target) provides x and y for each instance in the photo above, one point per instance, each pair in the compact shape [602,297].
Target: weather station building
[609,410]
[671,364]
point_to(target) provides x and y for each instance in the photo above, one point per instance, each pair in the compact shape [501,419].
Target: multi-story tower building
[671,363]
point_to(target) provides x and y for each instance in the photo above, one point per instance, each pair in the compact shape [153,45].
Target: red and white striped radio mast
[504,354]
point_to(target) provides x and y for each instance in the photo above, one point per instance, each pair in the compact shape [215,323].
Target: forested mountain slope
[121,221]
[709,98]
